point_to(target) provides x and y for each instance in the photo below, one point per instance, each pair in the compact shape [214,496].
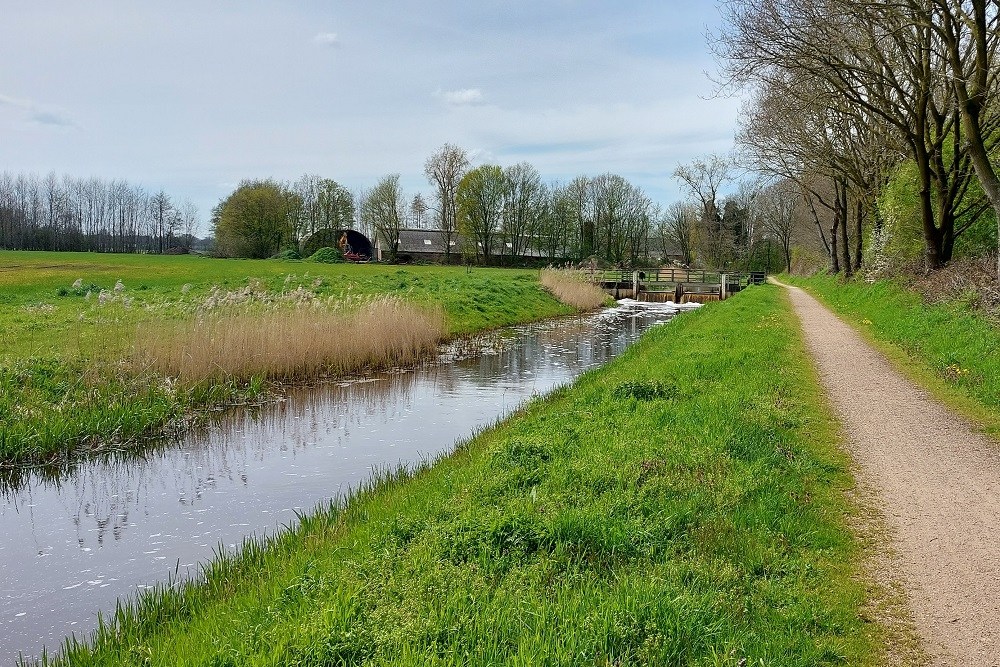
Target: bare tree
[877,59]
[524,205]
[384,210]
[418,210]
[622,216]
[776,207]
[677,229]
[702,178]
[969,31]
[444,170]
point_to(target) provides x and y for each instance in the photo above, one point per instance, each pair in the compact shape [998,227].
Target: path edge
[886,604]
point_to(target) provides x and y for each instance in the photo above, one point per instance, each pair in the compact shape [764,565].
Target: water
[75,542]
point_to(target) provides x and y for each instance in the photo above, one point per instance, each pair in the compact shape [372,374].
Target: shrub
[327,255]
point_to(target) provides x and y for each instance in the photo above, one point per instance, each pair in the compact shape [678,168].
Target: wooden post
[723,287]
[635,285]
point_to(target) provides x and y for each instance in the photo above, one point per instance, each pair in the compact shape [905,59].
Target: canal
[76,541]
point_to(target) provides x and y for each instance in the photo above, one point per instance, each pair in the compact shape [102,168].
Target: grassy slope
[683,506]
[950,349]
[60,389]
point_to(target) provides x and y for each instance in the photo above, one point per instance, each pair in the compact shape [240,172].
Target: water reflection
[76,540]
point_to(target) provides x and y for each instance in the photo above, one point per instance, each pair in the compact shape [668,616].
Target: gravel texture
[935,477]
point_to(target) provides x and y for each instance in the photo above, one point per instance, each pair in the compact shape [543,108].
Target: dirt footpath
[935,478]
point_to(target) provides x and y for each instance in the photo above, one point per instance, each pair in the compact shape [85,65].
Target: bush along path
[937,480]
[685,505]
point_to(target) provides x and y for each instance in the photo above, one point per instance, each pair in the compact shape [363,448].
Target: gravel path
[936,479]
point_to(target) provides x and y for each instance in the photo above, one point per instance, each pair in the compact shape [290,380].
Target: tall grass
[306,340]
[572,288]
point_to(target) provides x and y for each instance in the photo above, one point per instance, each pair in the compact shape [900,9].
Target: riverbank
[686,504]
[948,348]
[104,351]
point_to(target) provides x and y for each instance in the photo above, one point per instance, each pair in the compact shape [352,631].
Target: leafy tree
[257,220]
[325,205]
[480,206]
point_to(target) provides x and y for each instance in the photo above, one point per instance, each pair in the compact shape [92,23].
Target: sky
[191,97]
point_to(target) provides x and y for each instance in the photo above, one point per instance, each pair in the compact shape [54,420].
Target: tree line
[503,213]
[878,112]
[90,214]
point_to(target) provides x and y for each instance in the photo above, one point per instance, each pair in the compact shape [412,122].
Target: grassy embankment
[105,349]
[951,349]
[684,505]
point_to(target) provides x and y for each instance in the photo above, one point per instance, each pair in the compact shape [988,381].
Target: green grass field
[948,348]
[685,505]
[40,310]
[68,320]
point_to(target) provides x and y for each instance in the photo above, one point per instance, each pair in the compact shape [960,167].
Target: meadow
[685,505]
[950,348]
[105,350]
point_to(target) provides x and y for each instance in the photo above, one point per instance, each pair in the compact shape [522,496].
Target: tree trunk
[932,237]
[834,256]
[858,241]
[843,213]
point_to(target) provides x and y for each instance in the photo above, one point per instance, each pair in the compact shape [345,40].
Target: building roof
[428,240]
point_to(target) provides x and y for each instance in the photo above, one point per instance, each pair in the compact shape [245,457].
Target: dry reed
[572,288]
[291,343]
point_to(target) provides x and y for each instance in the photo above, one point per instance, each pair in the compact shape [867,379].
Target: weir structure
[679,285]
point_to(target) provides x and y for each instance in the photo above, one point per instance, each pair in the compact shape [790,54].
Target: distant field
[40,311]
[89,340]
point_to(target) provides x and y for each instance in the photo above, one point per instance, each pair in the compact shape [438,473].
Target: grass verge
[948,348]
[104,350]
[685,505]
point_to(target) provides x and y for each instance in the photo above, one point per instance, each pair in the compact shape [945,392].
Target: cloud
[51,118]
[327,39]
[463,97]
[37,113]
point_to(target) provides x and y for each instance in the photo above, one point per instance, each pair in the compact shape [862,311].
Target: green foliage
[257,220]
[287,254]
[902,242]
[327,255]
[479,202]
[708,530]
[980,238]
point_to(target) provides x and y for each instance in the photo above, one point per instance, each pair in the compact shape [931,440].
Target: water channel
[73,543]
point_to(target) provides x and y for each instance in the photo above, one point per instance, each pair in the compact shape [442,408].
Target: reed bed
[301,341]
[572,288]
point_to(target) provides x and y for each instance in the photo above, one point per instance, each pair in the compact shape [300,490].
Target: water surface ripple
[75,542]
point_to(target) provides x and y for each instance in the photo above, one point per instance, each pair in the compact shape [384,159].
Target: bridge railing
[665,279]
